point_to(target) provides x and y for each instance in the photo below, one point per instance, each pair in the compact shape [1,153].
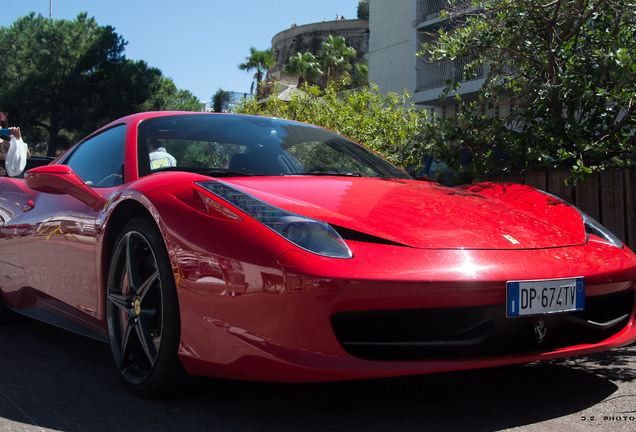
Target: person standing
[13,150]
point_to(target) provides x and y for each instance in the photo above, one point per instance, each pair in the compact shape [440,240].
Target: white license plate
[540,297]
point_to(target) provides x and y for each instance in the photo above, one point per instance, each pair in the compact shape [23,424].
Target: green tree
[305,66]
[169,98]
[362,74]
[262,61]
[389,124]
[568,70]
[65,77]
[220,101]
[335,55]
[186,101]
[363,10]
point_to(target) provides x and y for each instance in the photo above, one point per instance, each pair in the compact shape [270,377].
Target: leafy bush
[389,124]
[567,69]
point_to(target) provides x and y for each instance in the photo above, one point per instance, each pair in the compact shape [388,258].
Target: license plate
[540,297]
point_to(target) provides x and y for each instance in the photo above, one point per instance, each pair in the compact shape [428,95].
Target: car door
[59,251]
[14,200]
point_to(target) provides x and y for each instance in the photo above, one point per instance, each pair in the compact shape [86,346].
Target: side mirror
[61,180]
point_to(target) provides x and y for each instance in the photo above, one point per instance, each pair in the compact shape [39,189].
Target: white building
[397,30]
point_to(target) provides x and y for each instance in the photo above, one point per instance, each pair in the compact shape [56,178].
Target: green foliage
[201,154]
[305,66]
[169,98]
[261,61]
[362,74]
[331,63]
[63,78]
[389,124]
[335,55]
[567,69]
[220,101]
[363,9]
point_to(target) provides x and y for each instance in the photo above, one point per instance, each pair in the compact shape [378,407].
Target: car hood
[422,214]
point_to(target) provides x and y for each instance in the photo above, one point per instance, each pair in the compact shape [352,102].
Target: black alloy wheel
[142,311]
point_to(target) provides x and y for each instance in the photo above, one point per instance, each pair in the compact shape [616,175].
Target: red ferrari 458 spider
[263,249]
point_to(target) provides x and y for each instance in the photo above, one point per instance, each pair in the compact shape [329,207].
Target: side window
[99,161]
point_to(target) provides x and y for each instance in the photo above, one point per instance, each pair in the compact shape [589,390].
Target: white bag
[16,157]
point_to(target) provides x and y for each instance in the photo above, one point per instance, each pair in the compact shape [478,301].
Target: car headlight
[593,227]
[310,234]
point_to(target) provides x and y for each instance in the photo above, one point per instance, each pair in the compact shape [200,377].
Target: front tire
[142,311]
[6,314]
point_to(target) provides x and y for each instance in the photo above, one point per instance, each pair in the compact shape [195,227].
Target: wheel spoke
[145,287]
[144,333]
[134,277]
[120,301]
[126,344]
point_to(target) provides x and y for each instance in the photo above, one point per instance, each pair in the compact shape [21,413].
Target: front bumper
[394,311]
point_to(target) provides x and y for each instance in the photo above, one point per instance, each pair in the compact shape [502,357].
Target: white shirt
[160,158]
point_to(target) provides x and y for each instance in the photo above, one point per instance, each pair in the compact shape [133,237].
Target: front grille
[468,332]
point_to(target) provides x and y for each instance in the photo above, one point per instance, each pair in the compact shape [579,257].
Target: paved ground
[57,381]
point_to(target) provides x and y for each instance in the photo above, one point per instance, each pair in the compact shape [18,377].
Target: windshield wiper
[327,173]
[214,172]
[225,173]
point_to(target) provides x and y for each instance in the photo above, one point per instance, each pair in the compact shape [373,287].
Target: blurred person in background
[13,150]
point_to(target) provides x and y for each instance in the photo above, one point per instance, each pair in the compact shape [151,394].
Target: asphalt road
[52,380]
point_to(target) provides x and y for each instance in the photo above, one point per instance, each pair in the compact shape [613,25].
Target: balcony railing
[427,9]
[430,9]
[434,75]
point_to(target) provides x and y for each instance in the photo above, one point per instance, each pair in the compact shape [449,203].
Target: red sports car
[263,249]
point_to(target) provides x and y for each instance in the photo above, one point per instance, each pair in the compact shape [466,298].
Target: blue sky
[197,43]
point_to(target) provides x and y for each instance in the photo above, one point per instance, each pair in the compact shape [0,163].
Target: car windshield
[237,145]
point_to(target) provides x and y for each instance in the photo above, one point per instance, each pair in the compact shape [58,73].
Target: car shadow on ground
[56,380]
[615,365]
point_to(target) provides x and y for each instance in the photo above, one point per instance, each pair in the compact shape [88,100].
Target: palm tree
[335,54]
[305,66]
[262,61]
[362,74]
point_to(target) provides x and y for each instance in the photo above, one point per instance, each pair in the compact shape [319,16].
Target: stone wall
[309,37]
